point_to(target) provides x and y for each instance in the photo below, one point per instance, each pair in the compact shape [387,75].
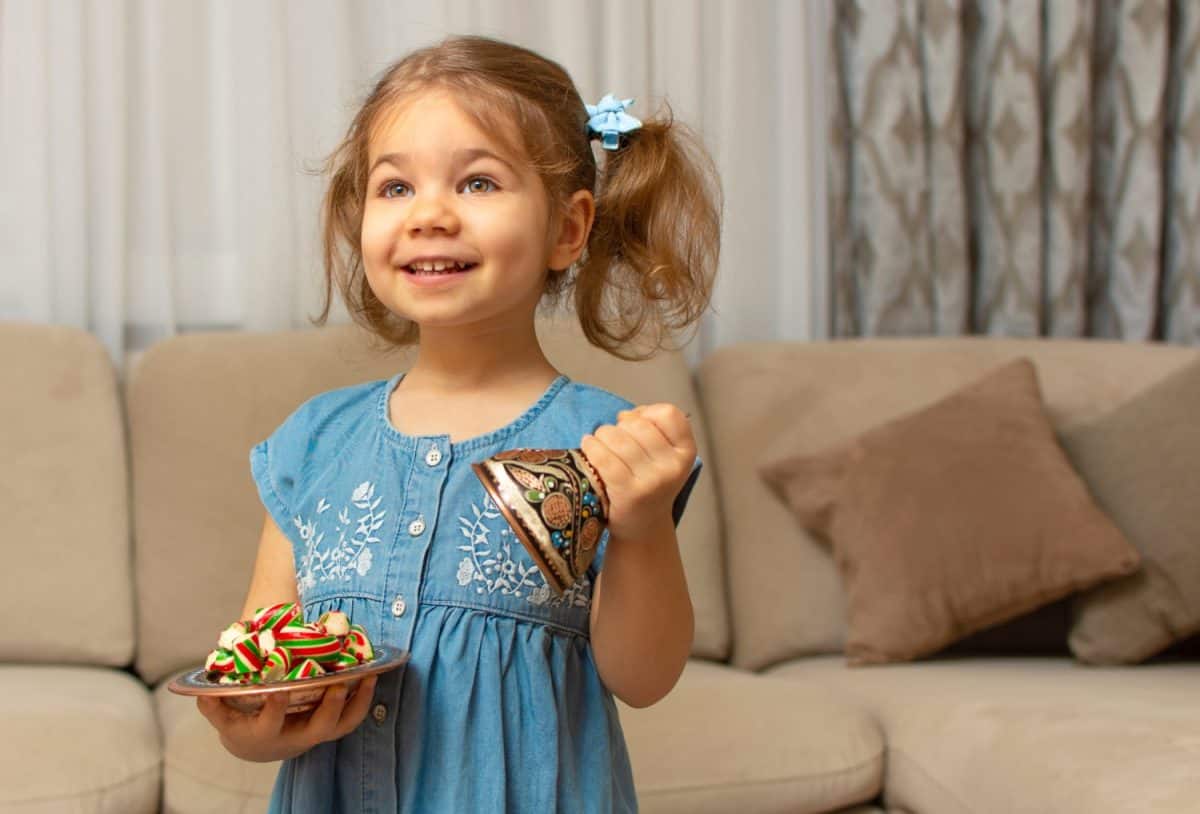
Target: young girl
[465,192]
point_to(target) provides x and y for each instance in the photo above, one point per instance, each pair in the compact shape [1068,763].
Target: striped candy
[358,645]
[277,644]
[300,632]
[342,661]
[321,648]
[276,617]
[219,661]
[308,642]
[278,663]
[305,669]
[248,656]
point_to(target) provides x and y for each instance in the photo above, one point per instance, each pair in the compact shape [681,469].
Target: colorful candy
[306,669]
[276,644]
[358,645]
[335,623]
[276,617]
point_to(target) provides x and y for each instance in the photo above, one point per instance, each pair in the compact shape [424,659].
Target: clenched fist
[644,460]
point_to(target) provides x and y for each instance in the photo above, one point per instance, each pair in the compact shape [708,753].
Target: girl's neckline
[466,444]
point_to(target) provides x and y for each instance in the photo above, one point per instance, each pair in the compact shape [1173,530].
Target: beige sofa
[130,527]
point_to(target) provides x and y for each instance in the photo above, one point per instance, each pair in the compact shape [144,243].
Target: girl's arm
[642,630]
[274,578]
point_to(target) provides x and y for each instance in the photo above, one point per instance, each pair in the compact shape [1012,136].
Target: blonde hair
[648,267]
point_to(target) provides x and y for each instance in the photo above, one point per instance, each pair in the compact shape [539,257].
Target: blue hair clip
[609,120]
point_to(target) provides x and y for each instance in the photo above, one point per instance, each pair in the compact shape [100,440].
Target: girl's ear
[574,226]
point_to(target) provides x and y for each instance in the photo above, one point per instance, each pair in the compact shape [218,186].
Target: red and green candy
[276,644]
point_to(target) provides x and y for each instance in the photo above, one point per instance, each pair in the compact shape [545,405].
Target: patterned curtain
[1015,167]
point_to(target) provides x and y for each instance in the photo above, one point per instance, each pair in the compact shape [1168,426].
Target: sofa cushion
[997,735]
[1142,462]
[914,506]
[198,403]
[785,593]
[780,746]
[64,499]
[77,739]
[727,740]
[198,774]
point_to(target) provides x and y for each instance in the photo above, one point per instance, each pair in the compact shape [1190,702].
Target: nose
[432,213]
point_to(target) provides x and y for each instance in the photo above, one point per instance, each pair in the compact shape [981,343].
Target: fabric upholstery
[785,594]
[726,740]
[77,739]
[64,499]
[951,519]
[198,774]
[1004,734]
[701,749]
[1142,462]
[198,516]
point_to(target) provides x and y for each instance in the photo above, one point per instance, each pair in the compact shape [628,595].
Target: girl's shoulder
[341,399]
[335,406]
[322,421]
[315,434]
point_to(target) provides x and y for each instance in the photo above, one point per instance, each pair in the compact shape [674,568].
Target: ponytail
[647,272]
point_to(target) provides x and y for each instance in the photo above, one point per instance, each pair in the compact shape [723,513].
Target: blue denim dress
[500,707]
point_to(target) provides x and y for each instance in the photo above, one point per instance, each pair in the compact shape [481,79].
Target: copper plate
[305,693]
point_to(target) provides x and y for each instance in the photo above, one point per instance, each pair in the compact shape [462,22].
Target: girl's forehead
[410,117]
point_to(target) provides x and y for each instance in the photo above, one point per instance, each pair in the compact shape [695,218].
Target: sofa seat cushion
[783,746]
[77,739]
[728,740]
[198,774]
[1018,734]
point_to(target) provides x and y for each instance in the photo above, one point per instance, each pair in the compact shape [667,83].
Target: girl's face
[456,231]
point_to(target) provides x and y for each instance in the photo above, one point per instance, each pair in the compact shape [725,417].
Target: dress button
[433,457]
[398,606]
[416,527]
[379,713]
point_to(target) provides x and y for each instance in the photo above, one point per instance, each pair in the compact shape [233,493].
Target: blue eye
[481,183]
[387,189]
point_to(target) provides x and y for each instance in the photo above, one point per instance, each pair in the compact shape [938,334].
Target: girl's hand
[268,734]
[644,460]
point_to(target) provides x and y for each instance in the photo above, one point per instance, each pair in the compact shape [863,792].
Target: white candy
[336,623]
[230,635]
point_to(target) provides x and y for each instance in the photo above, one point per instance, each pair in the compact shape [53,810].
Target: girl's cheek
[373,236]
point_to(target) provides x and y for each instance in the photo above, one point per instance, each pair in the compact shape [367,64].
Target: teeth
[436,266]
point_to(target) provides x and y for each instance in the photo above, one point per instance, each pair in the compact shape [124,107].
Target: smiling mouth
[437,269]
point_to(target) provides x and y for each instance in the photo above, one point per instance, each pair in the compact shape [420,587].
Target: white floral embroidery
[350,555]
[492,567]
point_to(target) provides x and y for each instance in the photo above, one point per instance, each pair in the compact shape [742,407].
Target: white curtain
[159,158]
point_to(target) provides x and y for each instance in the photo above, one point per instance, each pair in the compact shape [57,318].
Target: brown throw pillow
[1142,463]
[952,519]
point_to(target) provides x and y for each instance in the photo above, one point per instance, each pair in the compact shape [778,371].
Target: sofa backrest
[67,579]
[786,598]
[198,403]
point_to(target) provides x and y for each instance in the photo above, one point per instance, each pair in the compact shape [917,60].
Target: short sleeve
[677,508]
[275,465]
